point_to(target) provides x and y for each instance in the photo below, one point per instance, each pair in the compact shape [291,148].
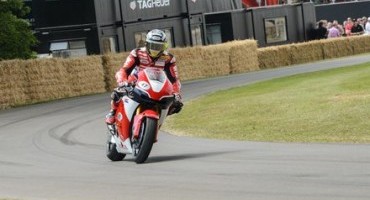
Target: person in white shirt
[367,27]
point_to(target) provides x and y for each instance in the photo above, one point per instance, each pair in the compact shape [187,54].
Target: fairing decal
[130,107]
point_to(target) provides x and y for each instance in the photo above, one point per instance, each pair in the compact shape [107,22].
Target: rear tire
[150,130]
[112,152]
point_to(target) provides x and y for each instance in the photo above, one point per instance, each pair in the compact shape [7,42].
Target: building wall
[63,12]
[63,21]
[114,23]
[176,15]
[255,23]
[176,25]
[298,18]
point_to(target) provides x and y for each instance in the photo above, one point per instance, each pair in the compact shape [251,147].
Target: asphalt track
[56,150]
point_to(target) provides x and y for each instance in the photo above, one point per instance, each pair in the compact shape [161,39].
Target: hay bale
[189,62]
[336,47]
[13,84]
[111,64]
[275,56]
[50,79]
[360,44]
[215,60]
[243,56]
[85,75]
[47,80]
[201,61]
[306,52]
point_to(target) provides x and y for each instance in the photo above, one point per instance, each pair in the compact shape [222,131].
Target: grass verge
[326,106]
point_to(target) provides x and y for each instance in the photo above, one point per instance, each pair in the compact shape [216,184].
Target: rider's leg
[109,118]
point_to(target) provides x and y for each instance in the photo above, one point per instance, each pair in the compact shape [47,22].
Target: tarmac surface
[56,151]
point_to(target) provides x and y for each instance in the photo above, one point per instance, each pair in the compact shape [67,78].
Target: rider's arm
[172,73]
[129,65]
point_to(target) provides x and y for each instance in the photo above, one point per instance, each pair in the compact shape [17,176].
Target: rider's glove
[176,105]
[122,84]
[177,97]
[121,88]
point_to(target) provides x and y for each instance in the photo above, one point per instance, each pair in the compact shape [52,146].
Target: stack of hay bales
[216,60]
[336,47]
[360,44]
[23,82]
[306,52]
[275,56]
[13,84]
[189,62]
[111,64]
[243,56]
[32,81]
[46,80]
[50,79]
[85,75]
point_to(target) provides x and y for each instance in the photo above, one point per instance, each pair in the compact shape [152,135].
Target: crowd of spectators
[350,27]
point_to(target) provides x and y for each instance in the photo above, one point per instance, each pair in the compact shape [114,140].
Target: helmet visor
[154,46]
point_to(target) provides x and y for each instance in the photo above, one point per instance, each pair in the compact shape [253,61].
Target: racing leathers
[138,60]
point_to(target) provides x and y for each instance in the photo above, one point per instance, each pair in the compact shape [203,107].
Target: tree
[16,38]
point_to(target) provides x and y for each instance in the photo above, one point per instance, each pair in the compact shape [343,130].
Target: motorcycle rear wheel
[148,132]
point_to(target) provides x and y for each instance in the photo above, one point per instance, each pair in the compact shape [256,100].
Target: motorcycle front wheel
[146,139]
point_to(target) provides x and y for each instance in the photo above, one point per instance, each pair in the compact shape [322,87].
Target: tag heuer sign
[146,4]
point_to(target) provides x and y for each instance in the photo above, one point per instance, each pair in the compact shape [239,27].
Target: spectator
[321,31]
[359,20]
[339,27]
[367,27]
[333,31]
[364,21]
[348,27]
[357,29]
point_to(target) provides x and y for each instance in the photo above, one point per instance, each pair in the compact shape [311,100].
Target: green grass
[326,106]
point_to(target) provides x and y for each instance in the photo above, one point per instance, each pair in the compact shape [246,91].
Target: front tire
[149,133]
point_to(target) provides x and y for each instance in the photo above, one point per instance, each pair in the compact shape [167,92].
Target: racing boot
[109,118]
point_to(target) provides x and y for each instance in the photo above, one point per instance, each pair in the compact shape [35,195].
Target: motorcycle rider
[153,54]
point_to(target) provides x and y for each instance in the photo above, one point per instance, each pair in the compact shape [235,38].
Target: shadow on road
[169,158]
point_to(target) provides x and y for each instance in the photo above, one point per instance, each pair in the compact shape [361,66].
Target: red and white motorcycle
[139,116]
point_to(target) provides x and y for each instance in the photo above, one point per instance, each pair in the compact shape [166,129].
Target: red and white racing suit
[139,59]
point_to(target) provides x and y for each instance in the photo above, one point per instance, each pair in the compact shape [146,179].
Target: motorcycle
[139,116]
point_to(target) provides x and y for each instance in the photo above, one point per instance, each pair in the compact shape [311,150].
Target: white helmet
[156,42]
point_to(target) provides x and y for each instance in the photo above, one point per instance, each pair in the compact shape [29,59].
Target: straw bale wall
[360,44]
[13,84]
[86,75]
[306,52]
[23,82]
[243,56]
[51,79]
[336,47]
[275,56]
[32,81]
[111,64]
[215,61]
[189,62]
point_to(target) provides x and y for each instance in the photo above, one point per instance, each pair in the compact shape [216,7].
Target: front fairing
[154,83]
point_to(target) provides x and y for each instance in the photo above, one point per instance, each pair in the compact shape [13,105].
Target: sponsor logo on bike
[144,85]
